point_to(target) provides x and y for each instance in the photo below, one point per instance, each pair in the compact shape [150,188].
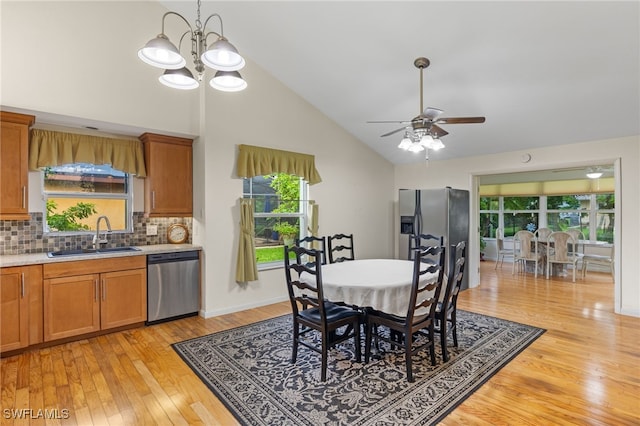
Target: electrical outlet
[152,229]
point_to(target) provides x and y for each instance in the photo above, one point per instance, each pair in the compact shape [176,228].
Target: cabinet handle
[22,285]
[24,197]
[153,199]
[104,290]
[95,287]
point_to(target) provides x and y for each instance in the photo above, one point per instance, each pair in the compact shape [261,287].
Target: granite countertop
[40,258]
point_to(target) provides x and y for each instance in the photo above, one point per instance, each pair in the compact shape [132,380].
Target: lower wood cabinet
[82,297]
[21,307]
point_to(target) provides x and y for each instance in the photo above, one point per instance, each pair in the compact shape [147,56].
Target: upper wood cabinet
[14,170]
[168,187]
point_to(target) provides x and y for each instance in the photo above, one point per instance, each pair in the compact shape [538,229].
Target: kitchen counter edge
[10,260]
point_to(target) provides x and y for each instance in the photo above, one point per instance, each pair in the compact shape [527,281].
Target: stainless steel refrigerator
[441,212]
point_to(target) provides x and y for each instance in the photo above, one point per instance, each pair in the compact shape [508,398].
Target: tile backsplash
[27,236]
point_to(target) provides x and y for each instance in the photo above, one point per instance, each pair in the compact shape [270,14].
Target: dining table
[381,284]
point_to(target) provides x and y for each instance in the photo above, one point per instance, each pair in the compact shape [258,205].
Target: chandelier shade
[221,56]
[179,79]
[159,52]
[228,81]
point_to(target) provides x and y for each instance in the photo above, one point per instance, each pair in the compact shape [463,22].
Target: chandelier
[222,56]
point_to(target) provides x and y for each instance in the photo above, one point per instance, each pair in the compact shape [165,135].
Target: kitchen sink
[79,252]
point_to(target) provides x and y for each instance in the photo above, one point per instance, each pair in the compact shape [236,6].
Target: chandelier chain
[198,22]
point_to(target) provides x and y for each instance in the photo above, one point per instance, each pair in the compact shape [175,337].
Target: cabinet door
[123,298]
[169,182]
[71,306]
[14,172]
[14,318]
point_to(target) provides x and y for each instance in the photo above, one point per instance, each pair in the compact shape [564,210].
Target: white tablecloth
[383,284]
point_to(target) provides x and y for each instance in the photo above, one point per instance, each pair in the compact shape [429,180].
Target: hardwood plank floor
[584,370]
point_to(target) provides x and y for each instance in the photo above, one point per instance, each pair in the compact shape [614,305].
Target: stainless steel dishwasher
[173,285]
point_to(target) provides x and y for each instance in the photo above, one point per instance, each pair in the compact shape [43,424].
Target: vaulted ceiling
[542,73]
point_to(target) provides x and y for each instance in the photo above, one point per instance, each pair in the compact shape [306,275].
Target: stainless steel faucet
[96,238]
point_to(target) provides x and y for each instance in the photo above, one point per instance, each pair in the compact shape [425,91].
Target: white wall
[354,195]
[357,189]
[460,174]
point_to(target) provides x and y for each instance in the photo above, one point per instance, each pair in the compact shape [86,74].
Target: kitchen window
[280,214]
[77,194]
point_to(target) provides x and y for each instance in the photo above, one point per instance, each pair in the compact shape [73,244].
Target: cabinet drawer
[93,266]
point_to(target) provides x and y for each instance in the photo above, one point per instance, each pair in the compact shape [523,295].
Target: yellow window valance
[53,148]
[258,161]
[563,187]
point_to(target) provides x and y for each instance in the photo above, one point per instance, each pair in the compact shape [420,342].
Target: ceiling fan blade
[460,120]
[393,131]
[438,131]
[390,121]
[431,113]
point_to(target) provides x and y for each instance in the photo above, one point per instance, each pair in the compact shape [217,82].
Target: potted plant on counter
[483,245]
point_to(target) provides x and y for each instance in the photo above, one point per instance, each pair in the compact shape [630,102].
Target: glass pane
[606,201]
[604,228]
[488,224]
[271,234]
[521,203]
[566,202]
[514,222]
[81,214]
[83,177]
[489,203]
[563,221]
[278,193]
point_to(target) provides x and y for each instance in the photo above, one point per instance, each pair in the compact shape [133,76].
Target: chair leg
[432,345]
[296,334]
[443,338]
[325,353]
[454,328]
[497,260]
[367,342]
[407,353]
[356,337]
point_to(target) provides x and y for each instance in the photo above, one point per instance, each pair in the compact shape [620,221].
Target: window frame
[302,216]
[127,197]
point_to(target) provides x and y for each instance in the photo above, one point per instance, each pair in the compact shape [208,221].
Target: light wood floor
[583,370]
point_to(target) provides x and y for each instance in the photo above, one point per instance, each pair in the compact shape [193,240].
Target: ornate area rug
[249,370]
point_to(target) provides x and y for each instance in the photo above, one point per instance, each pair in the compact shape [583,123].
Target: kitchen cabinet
[14,170]
[21,307]
[168,186]
[88,296]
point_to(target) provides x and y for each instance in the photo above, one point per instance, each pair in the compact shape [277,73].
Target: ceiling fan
[423,132]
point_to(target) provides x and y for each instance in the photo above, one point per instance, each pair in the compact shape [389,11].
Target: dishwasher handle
[179,256]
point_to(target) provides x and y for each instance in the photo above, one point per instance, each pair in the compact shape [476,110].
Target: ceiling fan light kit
[422,133]
[222,56]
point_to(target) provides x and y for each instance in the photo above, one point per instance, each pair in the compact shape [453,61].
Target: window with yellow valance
[258,161]
[54,148]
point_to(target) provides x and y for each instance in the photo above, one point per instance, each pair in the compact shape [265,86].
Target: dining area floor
[583,370]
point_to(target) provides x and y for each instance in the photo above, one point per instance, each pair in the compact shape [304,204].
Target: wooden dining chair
[320,316]
[604,259]
[319,244]
[420,318]
[446,309]
[561,254]
[525,247]
[500,250]
[340,248]
[422,242]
